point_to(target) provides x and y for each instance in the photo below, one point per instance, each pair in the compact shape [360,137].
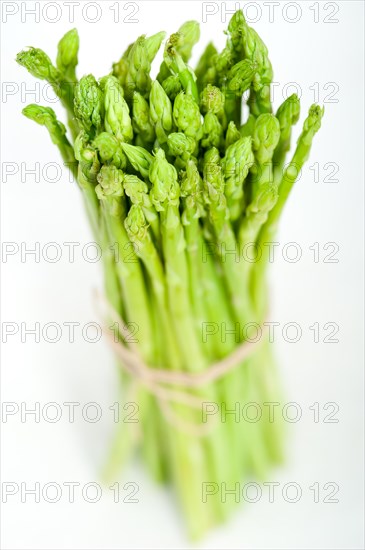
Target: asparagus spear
[120,69]
[247,43]
[181,147]
[67,59]
[172,87]
[110,150]
[150,45]
[141,122]
[248,127]
[165,347]
[191,191]
[88,168]
[187,116]
[184,41]
[45,116]
[117,120]
[212,104]
[226,244]
[212,100]
[38,64]
[287,115]
[239,80]
[139,158]
[264,190]
[189,34]
[165,197]
[137,191]
[139,59]
[236,27]
[301,154]
[208,303]
[311,126]
[161,111]
[153,44]
[138,232]
[177,66]
[88,105]
[255,49]
[222,62]
[227,249]
[236,164]
[232,134]
[110,192]
[205,72]
[138,76]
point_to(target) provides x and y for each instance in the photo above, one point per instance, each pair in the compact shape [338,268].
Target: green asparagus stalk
[311,126]
[138,232]
[137,191]
[89,105]
[232,134]
[181,147]
[45,116]
[236,29]
[184,41]
[239,80]
[120,69]
[264,191]
[161,112]
[187,116]
[117,119]
[153,44]
[110,192]
[191,191]
[88,168]
[138,77]
[212,104]
[255,49]
[287,115]
[189,34]
[165,197]
[226,243]
[110,150]
[67,55]
[205,72]
[175,63]
[172,87]
[139,158]
[222,62]
[141,121]
[248,127]
[236,163]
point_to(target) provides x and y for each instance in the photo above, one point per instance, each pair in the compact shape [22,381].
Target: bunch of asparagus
[172,175]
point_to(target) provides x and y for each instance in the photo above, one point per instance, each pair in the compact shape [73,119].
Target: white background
[305,292]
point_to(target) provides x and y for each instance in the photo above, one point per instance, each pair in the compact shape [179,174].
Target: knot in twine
[159,381]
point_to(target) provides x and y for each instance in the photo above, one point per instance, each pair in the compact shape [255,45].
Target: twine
[157,380]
